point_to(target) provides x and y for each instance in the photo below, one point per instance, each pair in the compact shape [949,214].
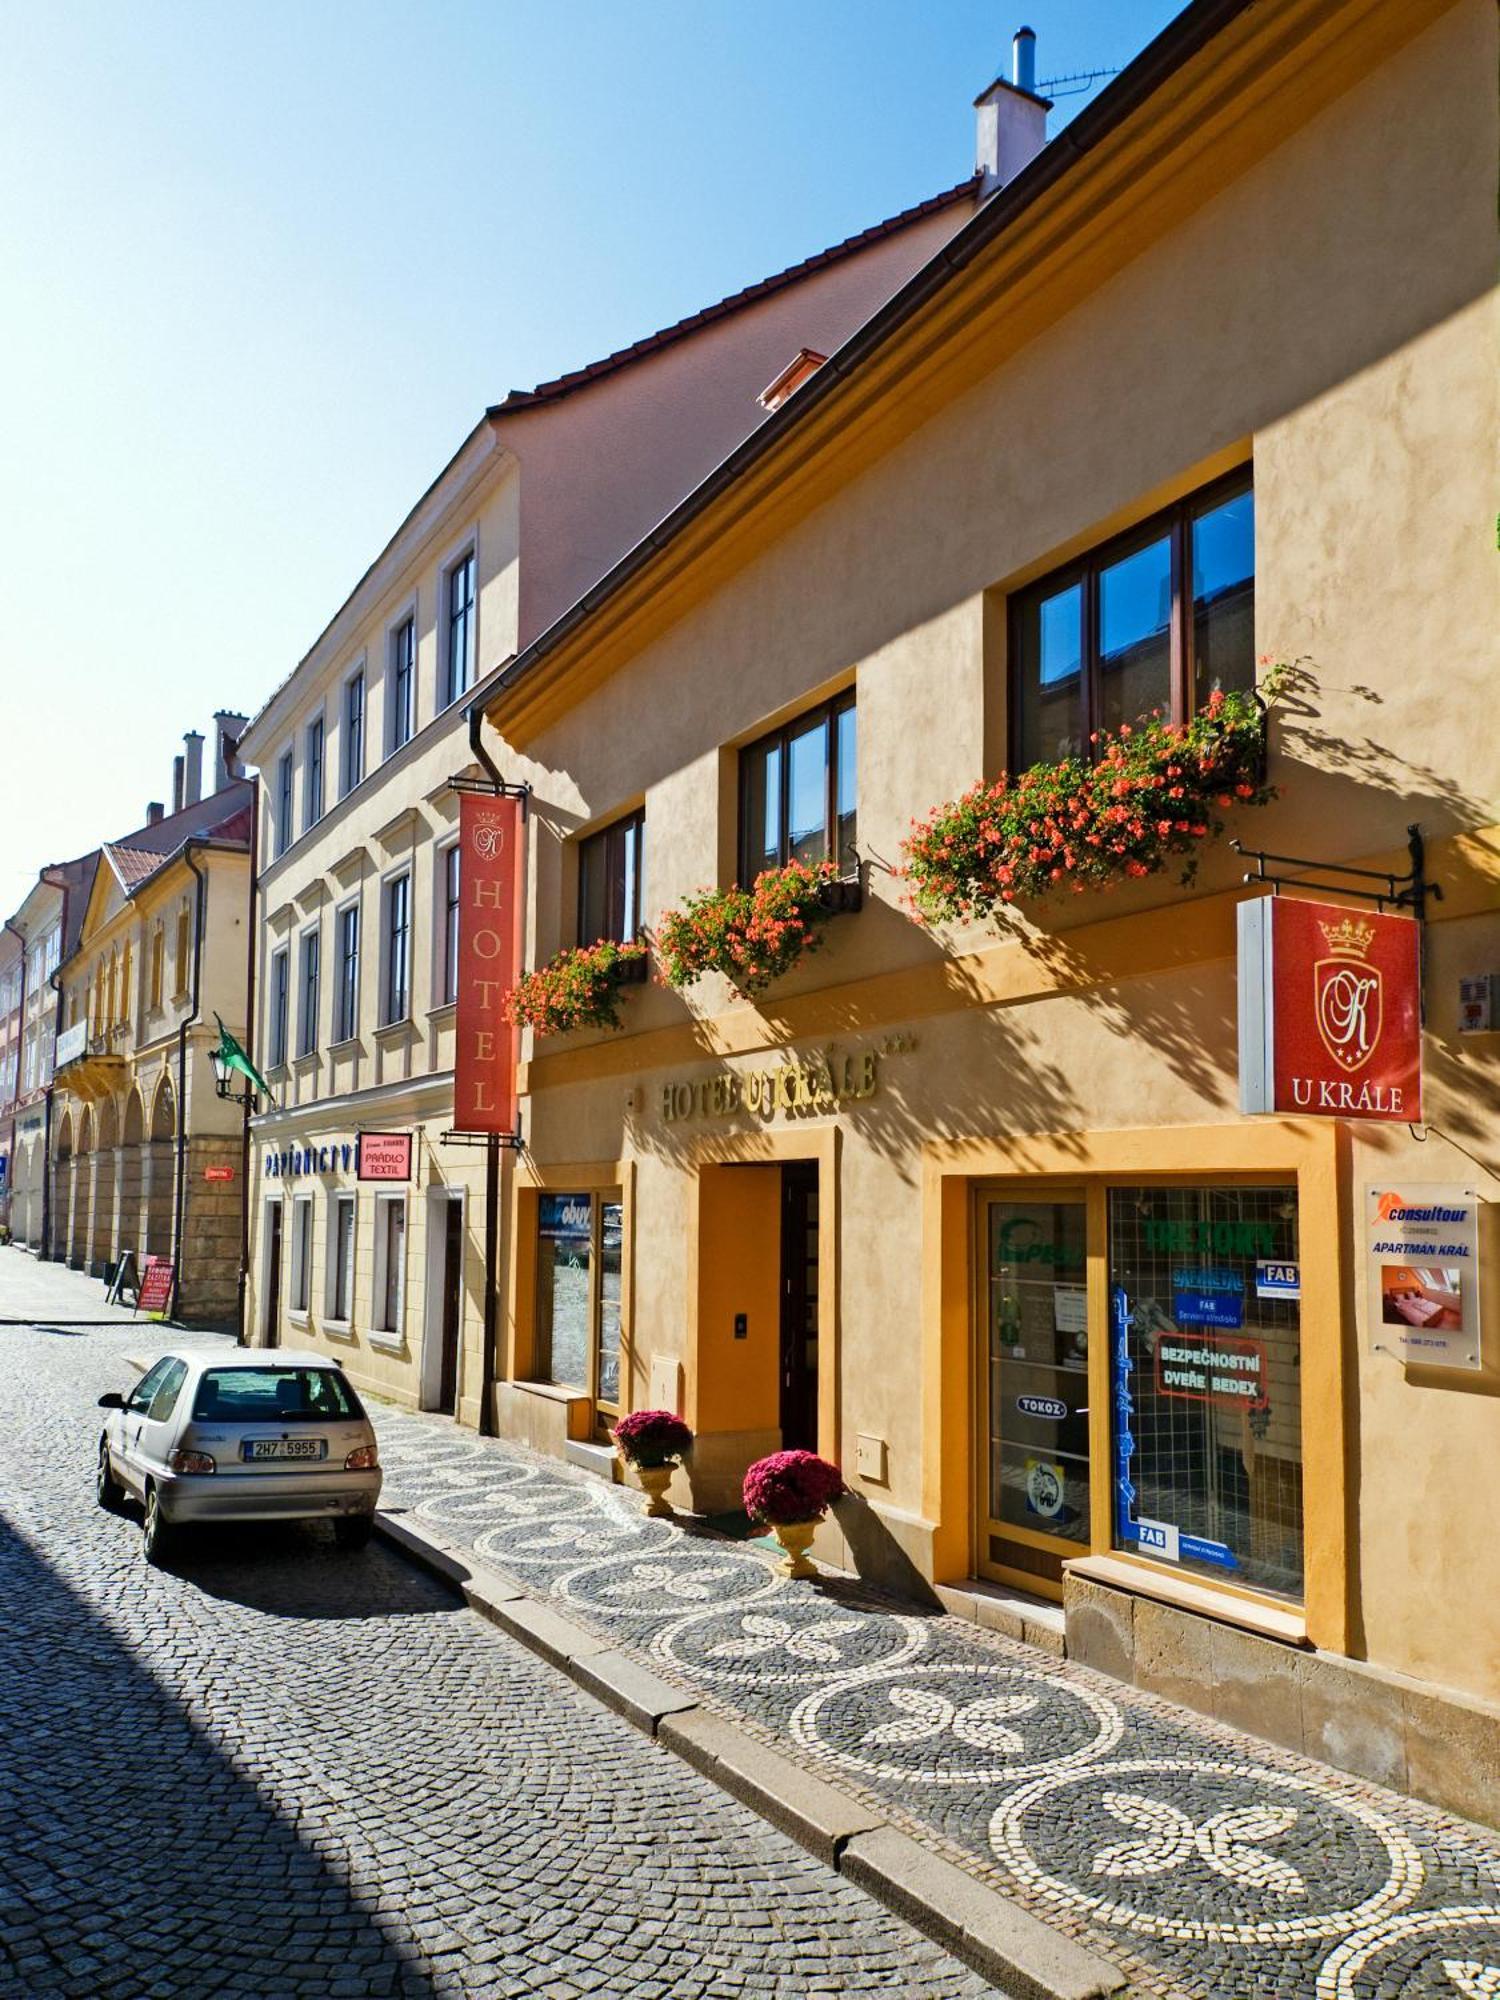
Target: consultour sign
[489,961]
[1422,1260]
[1330,1011]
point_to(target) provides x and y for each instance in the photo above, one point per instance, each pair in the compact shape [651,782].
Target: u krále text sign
[490,884]
[1330,1011]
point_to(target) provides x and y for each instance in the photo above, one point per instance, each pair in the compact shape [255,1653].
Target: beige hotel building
[1208,383]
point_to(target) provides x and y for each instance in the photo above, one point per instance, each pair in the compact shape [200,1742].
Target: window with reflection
[1152,623]
[798,792]
[610,868]
[579,1240]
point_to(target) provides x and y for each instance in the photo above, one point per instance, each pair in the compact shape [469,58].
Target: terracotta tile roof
[224,817]
[579,378]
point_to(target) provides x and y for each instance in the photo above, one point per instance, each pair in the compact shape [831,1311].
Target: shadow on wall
[1342,795]
[104,1842]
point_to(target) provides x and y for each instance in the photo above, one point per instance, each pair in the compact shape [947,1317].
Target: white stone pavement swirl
[1208,1862]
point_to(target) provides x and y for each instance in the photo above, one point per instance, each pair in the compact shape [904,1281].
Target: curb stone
[1016,1951]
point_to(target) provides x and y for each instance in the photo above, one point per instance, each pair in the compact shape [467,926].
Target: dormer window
[804,364]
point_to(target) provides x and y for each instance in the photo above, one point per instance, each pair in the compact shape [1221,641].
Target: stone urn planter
[655,1479]
[653,1443]
[791,1491]
[795,1538]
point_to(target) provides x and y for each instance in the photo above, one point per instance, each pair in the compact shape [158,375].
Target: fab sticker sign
[1330,1004]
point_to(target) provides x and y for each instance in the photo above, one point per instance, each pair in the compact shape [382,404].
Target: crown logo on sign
[488,837]
[1350,939]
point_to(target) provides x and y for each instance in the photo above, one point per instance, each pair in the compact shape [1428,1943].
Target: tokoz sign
[1330,1011]
[491,880]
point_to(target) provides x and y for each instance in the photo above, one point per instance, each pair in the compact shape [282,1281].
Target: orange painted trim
[1305,1151]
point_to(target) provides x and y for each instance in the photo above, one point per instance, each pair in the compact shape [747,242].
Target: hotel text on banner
[490,882]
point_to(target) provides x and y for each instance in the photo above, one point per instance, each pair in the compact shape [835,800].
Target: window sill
[442,1010]
[304,1060]
[298,1318]
[553,1392]
[387,1341]
[343,1045]
[389,1030]
[1144,1579]
[339,1329]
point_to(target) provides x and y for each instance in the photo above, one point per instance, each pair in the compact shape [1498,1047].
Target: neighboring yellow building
[357,878]
[1213,381]
[146,1157]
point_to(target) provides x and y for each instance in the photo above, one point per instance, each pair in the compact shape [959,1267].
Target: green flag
[233,1056]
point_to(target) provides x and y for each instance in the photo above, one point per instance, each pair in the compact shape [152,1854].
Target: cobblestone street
[1205,1861]
[286,1770]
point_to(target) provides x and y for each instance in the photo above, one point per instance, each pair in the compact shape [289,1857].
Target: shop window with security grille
[1205,1370]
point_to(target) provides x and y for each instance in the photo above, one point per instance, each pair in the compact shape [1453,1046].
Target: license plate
[284,1448]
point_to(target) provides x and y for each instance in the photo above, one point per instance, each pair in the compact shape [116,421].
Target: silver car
[244,1434]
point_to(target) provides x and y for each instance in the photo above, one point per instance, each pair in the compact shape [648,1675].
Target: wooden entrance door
[1034,1387]
[799,1306]
[453,1306]
[273,1274]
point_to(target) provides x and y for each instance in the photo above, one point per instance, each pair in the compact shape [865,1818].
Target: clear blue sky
[263,267]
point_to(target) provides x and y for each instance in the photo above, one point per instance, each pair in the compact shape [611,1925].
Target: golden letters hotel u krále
[973,1208]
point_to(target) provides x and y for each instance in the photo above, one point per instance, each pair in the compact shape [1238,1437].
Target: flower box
[753,936]
[1152,793]
[577,989]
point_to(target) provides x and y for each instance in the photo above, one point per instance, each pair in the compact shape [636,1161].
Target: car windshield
[274,1395]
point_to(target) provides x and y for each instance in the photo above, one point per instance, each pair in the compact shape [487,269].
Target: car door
[159,1424]
[132,1421]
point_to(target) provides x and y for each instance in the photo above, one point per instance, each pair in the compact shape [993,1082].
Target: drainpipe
[180,1191]
[15,1097]
[55,982]
[244,1280]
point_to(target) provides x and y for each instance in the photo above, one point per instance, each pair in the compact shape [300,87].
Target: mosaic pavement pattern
[279,1771]
[1205,1861]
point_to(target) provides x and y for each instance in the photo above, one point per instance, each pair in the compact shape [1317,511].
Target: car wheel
[156,1535]
[353,1531]
[107,1489]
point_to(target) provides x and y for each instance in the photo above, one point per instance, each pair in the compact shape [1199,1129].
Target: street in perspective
[750,1000]
[284,1768]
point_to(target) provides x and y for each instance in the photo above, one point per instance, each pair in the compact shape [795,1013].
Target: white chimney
[192,767]
[228,728]
[1012,121]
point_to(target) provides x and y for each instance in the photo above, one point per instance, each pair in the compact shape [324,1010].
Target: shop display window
[579,1240]
[1205,1374]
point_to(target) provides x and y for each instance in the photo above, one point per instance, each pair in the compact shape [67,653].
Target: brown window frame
[607,842]
[825,711]
[1175,521]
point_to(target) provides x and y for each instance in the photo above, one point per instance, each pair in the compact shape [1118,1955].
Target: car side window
[140,1396]
[164,1401]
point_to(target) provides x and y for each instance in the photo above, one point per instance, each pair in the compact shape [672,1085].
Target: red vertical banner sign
[491,879]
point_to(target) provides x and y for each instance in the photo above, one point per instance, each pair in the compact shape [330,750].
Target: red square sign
[1330,1011]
